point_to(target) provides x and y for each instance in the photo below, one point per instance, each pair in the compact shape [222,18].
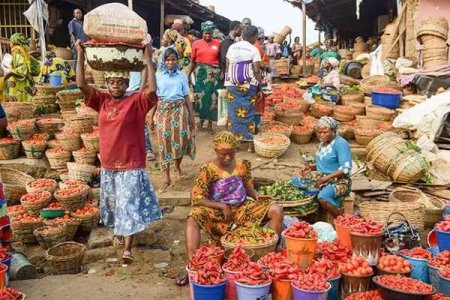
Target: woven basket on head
[66,258]
[14,183]
[9,150]
[269,150]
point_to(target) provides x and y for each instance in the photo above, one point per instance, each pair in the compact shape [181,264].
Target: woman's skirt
[128,202]
[207,82]
[251,213]
[241,112]
[175,138]
[335,191]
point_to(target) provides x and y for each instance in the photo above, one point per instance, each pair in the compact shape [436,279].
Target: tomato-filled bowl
[390,293]
[117,57]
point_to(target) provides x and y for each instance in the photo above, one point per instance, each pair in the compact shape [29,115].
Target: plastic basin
[419,268]
[51,213]
[388,100]
[393,294]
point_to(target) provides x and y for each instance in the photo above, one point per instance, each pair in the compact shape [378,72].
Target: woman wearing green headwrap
[205,57]
[20,78]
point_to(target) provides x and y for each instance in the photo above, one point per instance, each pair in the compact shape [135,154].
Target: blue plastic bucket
[209,292]
[7,262]
[252,292]
[55,80]
[388,100]
[434,276]
[443,239]
[419,268]
[334,292]
[300,294]
[446,210]
[444,286]
[433,250]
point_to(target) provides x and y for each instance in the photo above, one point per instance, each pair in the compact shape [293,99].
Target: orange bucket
[282,290]
[3,270]
[343,235]
[301,251]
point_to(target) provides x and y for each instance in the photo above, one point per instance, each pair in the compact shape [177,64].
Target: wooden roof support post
[161,21]
[304,38]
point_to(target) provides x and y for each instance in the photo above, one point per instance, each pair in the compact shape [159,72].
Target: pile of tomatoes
[205,254]
[278,128]
[253,275]
[369,295]
[26,218]
[334,251]
[356,266]
[70,191]
[57,151]
[238,260]
[395,264]
[55,206]
[86,211]
[52,229]
[348,221]
[405,284]
[416,252]
[42,183]
[442,259]
[301,230]
[279,267]
[66,219]
[325,268]
[288,106]
[35,197]
[312,282]
[10,294]
[301,129]
[210,274]
[16,209]
[444,271]
[368,227]
[272,140]
[443,226]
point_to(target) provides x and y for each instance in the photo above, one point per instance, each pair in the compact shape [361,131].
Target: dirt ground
[143,279]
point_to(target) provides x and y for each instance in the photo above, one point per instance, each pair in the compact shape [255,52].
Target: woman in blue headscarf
[175,121]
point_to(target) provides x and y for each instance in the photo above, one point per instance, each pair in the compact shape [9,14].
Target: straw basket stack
[433,36]
[281,36]
[387,40]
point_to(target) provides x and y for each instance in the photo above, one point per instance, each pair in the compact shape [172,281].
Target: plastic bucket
[353,284]
[334,292]
[387,100]
[353,69]
[300,294]
[21,268]
[282,290]
[3,275]
[209,292]
[434,276]
[443,240]
[7,262]
[230,289]
[419,268]
[444,286]
[55,80]
[367,246]
[252,292]
[432,239]
[343,235]
[192,277]
[301,251]
[433,250]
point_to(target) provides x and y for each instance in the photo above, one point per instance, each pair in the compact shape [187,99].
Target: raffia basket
[293,117]
[49,239]
[71,226]
[319,110]
[67,99]
[58,160]
[365,122]
[22,129]
[379,113]
[82,124]
[44,99]
[437,26]
[9,150]
[23,232]
[303,137]
[380,211]
[363,136]
[48,90]
[68,114]
[14,183]
[259,250]
[304,105]
[18,110]
[344,113]
[405,195]
[265,126]
[434,209]
[33,149]
[360,108]
[85,157]
[382,156]
[378,81]
[91,142]
[265,149]
[33,208]
[50,125]
[73,202]
[88,222]
[51,189]
[66,258]
[69,142]
[80,172]
[407,167]
[348,97]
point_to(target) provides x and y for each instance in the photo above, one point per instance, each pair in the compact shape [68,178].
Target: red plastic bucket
[230,290]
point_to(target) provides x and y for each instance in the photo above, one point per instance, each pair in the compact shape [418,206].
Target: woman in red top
[205,60]
[128,203]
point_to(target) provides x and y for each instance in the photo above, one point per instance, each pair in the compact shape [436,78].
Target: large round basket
[84,157]
[437,26]
[9,149]
[91,142]
[22,129]
[50,125]
[265,127]
[58,159]
[82,124]
[71,226]
[50,188]
[47,238]
[44,99]
[360,108]
[289,117]
[14,183]
[48,90]
[380,211]
[434,208]
[363,136]
[350,97]
[259,250]
[88,221]
[381,155]
[33,208]
[67,99]
[405,195]
[270,145]
[69,142]
[365,122]
[344,113]
[23,232]
[66,258]
[319,110]
[18,110]
[34,149]
[408,167]
[73,202]
[303,137]
[378,81]
[80,172]
[379,113]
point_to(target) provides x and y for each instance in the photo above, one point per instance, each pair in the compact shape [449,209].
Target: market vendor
[333,164]
[55,65]
[329,85]
[5,229]
[223,195]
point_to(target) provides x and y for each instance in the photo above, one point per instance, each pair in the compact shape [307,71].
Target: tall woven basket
[14,183]
[66,258]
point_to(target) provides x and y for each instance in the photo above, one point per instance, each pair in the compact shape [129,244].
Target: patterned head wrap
[117,74]
[328,122]
[172,35]
[217,34]
[333,62]
[225,140]
[208,26]
[19,39]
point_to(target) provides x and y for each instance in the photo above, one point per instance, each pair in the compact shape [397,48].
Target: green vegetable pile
[283,191]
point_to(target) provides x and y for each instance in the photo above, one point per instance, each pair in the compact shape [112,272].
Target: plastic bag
[325,231]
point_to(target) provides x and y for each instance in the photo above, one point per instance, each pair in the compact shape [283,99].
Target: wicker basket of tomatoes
[82,124]
[302,134]
[261,240]
[58,158]
[71,223]
[81,172]
[289,112]
[69,140]
[91,141]
[16,210]
[67,99]
[36,201]
[72,198]
[22,129]
[35,146]
[276,127]
[14,182]
[271,145]
[319,110]
[352,97]
[84,156]
[23,227]
[379,113]
[50,125]
[41,184]
[344,113]
[9,148]
[18,110]
[49,236]
[89,216]
[393,265]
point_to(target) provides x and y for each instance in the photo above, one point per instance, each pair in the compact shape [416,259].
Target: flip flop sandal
[182,280]
[127,259]
[117,241]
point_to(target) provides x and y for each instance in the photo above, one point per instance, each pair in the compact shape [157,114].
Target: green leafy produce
[284,191]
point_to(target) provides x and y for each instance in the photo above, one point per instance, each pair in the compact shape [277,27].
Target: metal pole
[304,38]
[161,24]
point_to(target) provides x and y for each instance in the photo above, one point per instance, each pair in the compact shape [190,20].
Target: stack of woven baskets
[433,36]
[45,99]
